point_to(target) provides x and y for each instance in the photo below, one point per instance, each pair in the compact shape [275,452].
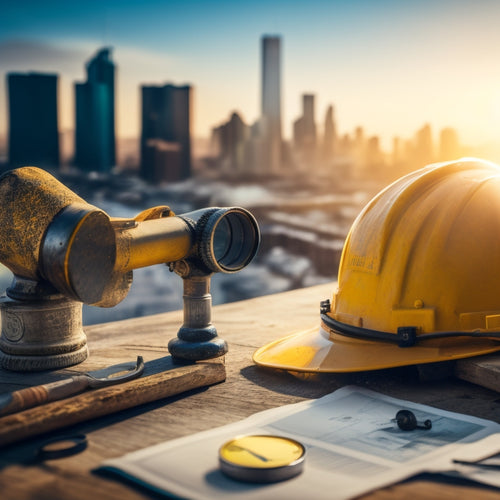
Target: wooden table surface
[248,389]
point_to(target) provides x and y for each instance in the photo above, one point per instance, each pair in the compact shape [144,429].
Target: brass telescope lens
[229,239]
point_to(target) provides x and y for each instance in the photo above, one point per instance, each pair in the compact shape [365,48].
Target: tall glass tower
[271,100]
[33,130]
[166,116]
[95,115]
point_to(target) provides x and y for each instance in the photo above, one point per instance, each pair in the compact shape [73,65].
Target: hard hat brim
[315,350]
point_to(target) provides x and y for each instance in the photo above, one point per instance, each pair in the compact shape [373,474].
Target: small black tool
[407,421]
[62,446]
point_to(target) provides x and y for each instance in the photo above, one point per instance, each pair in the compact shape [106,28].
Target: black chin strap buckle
[407,336]
[325,306]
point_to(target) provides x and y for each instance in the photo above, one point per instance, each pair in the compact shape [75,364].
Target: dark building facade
[164,160]
[33,125]
[95,142]
[166,115]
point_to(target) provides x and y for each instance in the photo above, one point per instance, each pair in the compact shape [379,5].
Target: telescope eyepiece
[228,239]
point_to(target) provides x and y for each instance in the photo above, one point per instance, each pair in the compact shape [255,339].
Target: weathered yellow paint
[152,242]
[30,198]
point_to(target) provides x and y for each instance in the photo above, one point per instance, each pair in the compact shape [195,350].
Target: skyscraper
[230,138]
[304,129]
[330,135]
[95,115]
[449,147]
[33,129]
[424,148]
[166,115]
[271,100]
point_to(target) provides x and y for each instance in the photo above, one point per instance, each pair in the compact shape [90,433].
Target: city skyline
[385,66]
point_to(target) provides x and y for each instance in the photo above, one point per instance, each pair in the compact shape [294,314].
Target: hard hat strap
[406,336]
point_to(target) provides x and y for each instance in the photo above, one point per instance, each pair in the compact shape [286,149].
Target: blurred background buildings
[305,190]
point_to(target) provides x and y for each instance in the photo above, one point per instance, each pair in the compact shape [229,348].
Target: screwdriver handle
[33,396]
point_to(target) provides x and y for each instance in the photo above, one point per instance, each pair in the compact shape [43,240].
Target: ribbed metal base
[39,363]
[41,334]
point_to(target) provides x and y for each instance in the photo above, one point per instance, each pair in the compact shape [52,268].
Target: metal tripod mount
[197,338]
[64,252]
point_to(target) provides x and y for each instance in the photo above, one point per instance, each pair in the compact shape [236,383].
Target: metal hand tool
[40,394]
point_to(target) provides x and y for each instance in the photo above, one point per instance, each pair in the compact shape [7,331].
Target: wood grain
[246,325]
[99,402]
[481,370]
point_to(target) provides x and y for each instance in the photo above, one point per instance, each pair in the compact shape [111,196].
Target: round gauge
[261,458]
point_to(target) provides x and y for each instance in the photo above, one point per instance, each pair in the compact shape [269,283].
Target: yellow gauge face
[261,452]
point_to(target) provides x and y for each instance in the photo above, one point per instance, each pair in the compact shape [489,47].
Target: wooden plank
[99,402]
[246,325]
[481,370]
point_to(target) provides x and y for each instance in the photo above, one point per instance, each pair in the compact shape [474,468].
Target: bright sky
[387,65]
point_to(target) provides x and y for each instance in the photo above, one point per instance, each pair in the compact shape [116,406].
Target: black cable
[405,337]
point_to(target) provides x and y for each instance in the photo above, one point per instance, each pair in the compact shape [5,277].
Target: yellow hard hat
[418,281]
